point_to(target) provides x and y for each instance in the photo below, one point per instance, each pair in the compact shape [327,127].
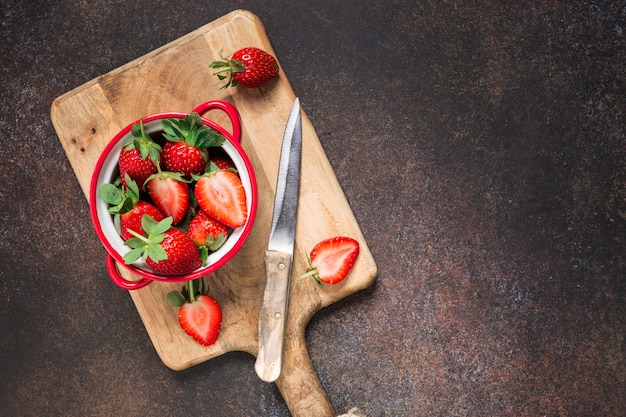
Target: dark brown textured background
[481,145]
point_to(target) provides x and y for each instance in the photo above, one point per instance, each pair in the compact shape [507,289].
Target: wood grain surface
[176,77]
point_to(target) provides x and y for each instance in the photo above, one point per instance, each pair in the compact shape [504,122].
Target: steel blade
[282,232]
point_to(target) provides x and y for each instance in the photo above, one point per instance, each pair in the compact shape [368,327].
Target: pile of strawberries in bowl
[173,196]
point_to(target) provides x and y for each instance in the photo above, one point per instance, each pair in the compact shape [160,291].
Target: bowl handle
[230,110]
[119,280]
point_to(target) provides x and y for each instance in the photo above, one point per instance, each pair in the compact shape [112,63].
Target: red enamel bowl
[107,170]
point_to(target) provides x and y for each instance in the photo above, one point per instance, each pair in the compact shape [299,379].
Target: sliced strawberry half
[220,194]
[331,259]
[200,316]
[169,191]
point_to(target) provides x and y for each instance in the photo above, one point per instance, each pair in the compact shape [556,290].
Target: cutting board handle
[299,384]
[230,110]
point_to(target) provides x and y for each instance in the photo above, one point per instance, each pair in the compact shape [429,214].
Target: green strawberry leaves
[144,144]
[191,131]
[148,246]
[188,293]
[121,200]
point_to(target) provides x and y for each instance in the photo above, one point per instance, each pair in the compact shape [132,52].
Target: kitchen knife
[279,254]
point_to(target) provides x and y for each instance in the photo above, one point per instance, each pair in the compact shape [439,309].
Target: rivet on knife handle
[273,316]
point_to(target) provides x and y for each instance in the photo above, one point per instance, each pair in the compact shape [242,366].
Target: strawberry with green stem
[164,248]
[249,67]
[140,158]
[188,141]
[331,259]
[199,314]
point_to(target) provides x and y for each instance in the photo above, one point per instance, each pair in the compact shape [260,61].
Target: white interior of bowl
[110,170]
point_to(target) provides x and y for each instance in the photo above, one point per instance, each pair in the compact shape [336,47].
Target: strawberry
[170,193]
[200,316]
[331,259]
[165,249]
[132,220]
[220,194]
[207,232]
[140,158]
[187,142]
[250,67]
[222,161]
[126,207]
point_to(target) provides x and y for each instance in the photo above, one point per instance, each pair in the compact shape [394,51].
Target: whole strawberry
[126,207]
[188,141]
[199,315]
[222,160]
[165,249]
[207,233]
[132,220]
[140,158]
[250,67]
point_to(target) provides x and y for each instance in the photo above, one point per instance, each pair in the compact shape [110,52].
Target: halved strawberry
[331,259]
[200,316]
[169,191]
[165,249]
[140,158]
[188,140]
[220,194]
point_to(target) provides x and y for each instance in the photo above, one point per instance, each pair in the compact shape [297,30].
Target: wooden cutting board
[176,77]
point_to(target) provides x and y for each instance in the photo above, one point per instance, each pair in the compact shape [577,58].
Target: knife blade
[279,253]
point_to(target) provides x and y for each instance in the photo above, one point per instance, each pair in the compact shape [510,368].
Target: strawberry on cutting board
[249,67]
[165,249]
[199,314]
[331,259]
[220,194]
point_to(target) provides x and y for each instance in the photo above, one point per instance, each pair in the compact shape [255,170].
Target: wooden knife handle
[273,315]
